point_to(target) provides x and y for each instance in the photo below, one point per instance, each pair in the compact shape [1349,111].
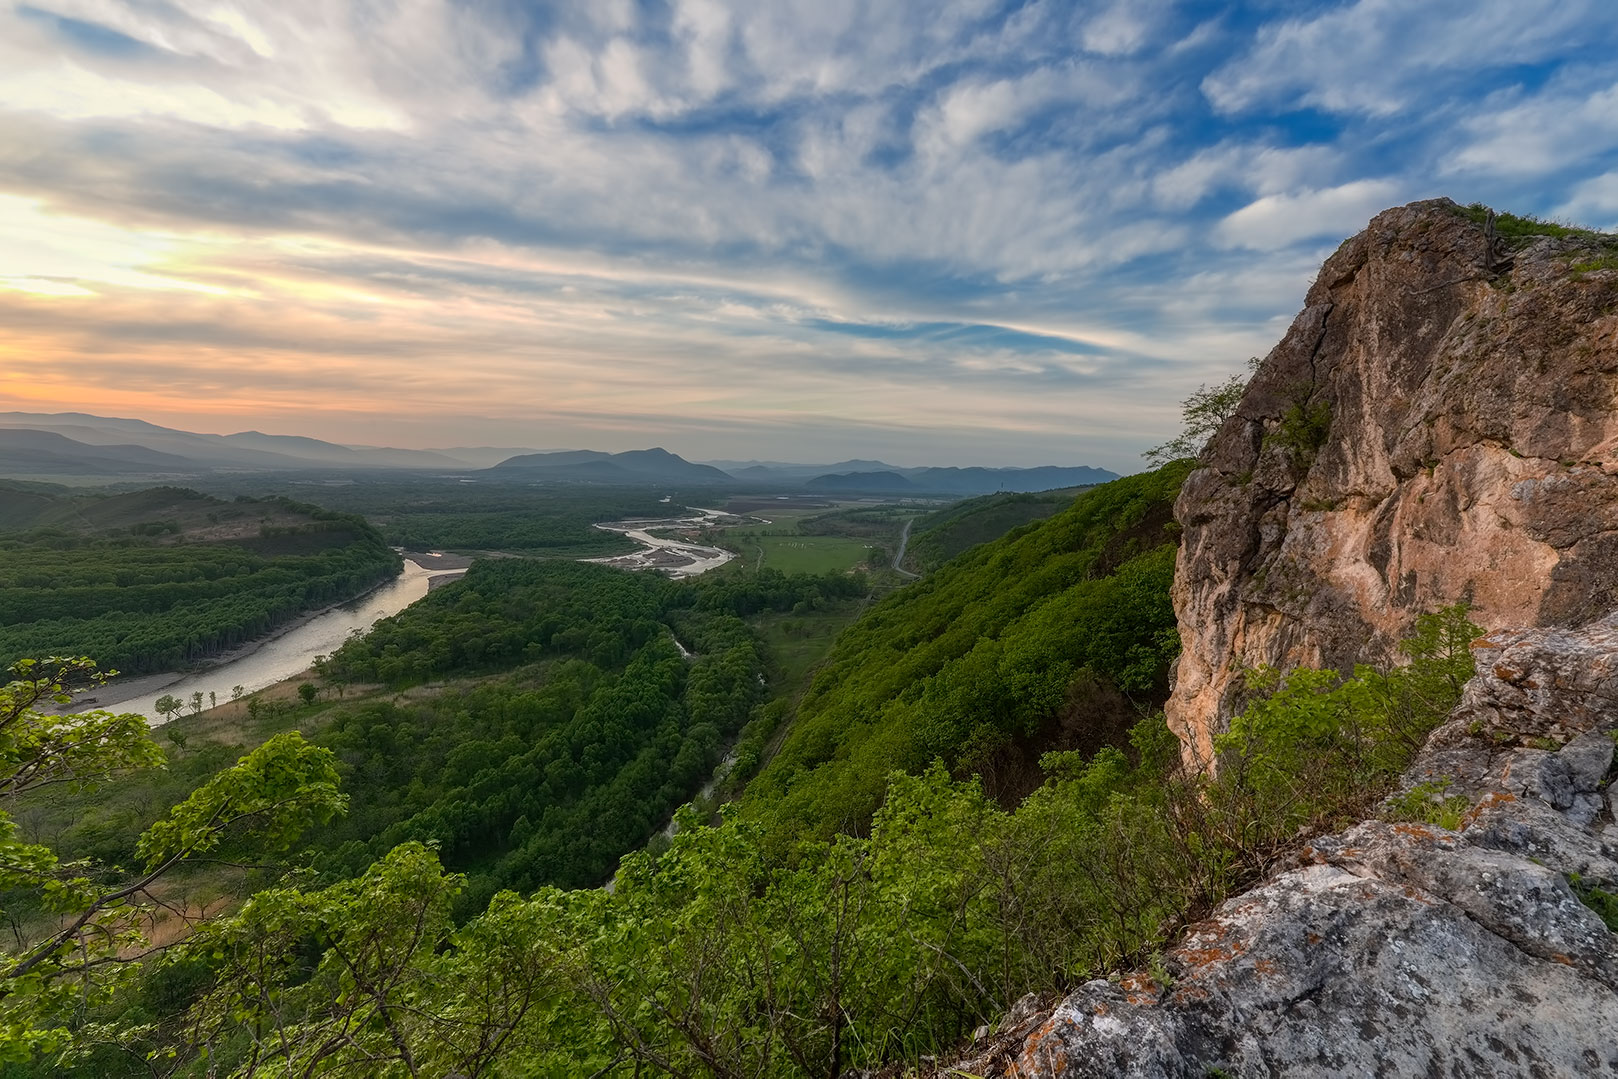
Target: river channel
[277,659]
[675,557]
[291,653]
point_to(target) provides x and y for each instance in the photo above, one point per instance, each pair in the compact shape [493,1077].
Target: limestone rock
[1400,949]
[1439,424]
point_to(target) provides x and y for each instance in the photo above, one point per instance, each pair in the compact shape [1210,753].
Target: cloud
[1277,221]
[981,224]
[1383,57]
[1593,202]
[1543,134]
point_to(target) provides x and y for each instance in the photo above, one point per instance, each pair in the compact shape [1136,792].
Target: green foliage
[584,729]
[271,1007]
[492,515]
[1202,413]
[1016,646]
[944,534]
[1517,229]
[1315,749]
[548,776]
[145,603]
[729,953]
[97,916]
[1595,264]
[271,797]
[723,956]
[1427,803]
[1303,430]
[1600,900]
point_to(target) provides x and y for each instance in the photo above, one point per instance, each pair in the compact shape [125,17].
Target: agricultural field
[818,539]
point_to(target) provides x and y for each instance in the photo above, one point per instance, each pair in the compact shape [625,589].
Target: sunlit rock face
[1397,949]
[1437,425]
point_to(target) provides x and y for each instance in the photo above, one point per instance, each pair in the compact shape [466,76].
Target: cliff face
[1438,424]
[1401,949]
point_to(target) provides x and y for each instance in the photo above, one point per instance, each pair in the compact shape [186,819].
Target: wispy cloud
[977,231]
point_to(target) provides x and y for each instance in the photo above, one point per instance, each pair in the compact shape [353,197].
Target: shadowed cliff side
[1437,425]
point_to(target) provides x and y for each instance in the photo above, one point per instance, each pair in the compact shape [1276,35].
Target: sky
[926,231]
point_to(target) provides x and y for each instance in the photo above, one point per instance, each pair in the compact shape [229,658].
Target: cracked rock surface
[1401,949]
[1439,423]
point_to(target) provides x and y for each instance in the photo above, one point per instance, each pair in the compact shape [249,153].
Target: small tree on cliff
[1203,413]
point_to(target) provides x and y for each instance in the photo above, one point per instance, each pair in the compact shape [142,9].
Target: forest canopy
[157,579]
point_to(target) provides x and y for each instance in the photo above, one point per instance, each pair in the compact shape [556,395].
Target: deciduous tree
[262,804]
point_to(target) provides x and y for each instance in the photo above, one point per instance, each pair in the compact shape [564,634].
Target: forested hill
[151,580]
[955,529]
[1054,637]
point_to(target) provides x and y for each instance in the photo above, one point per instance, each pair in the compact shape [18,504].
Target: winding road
[904,541]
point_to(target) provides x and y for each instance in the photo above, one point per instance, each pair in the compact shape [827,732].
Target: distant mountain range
[82,446]
[632,467]
[90,440]
[960,481]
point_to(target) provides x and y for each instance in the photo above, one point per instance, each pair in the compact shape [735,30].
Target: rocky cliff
[1402,949]
[1438,424]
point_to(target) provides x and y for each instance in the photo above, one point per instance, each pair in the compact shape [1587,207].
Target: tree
[100,920]
[169,705]
[213,699]
[236,692]
[196,702]
[1202,413]
[308,691]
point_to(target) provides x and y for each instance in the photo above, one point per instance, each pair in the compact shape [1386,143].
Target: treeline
[509,610]
[423,514]
[145,601]
[1053,638]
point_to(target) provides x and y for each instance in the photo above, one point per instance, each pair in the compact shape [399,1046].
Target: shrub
[1426,803]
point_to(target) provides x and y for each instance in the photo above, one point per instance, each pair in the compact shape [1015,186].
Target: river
[677,558]
[267,662]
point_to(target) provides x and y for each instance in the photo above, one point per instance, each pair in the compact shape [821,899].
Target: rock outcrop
[1398,949]
[1438,424]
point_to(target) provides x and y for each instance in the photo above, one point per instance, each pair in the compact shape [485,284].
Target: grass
[1517,230]
[1591,265]
[782,544]
[798,642]
[809,554]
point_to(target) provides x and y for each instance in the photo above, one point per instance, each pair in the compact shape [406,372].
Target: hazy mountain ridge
[962,481]
[655,465]
[198,453]
[50,453]
[81,445]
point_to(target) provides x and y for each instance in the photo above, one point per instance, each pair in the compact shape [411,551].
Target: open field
[796,538]
[798,643]
[807,554]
